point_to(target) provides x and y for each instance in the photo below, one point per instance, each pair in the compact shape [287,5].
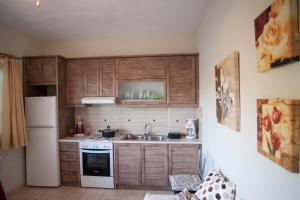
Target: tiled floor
[76,193]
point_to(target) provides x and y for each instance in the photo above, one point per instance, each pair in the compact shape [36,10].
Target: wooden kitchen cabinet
[69,163]
[128,164]
[40,71]
[99,78]
[140,68]
[108,78]
[183,159]
[148,166]
[92,78]
[155,165]
[182,80]
[49,70]
[75,82]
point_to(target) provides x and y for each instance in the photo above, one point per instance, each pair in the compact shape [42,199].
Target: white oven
[96,164]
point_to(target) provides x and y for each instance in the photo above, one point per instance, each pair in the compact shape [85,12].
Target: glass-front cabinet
[141,92]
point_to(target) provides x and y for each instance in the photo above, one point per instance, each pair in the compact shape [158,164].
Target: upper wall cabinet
[75,83]
[140,68]
[108,77]
[90,78]
[99,77]
[41,71]
[182,80]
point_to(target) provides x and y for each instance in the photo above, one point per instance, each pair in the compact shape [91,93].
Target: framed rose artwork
[277,35]
[227,78]
[278,128]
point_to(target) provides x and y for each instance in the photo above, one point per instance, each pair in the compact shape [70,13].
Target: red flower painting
[278,126]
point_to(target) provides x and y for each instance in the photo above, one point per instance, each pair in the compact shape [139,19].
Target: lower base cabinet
[128,164]
[69,163]
[149,165]
[155,165]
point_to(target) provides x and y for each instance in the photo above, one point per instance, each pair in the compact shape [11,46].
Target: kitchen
[94,95]
[117,117]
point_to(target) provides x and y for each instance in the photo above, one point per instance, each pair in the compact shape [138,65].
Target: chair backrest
[201,164]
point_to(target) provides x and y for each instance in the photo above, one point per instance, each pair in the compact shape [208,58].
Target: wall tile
[133,120]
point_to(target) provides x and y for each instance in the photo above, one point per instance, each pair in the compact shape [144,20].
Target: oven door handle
[96,151]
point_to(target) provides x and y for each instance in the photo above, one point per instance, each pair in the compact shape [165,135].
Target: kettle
[191,128]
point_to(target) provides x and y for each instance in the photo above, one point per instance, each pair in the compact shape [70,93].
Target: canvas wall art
[277,35]
[278,126]
[227,75]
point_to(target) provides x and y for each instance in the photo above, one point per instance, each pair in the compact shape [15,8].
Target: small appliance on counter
[191,128]
[174,135]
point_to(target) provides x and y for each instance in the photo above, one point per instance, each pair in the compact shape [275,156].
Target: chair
[191,182]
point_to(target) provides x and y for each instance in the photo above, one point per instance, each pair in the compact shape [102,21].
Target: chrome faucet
[147,129]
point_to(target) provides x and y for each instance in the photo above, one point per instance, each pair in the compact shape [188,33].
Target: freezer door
[42,157]
[40,111]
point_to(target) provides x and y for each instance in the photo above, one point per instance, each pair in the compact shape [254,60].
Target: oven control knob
[95,146]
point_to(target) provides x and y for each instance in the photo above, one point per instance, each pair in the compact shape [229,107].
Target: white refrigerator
[42,151]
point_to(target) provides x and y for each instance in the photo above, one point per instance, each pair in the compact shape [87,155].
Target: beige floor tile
[133,195]
[77,193]
[113,194]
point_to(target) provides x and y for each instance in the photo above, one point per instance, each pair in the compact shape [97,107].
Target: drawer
[69,166]
[68,156]
[70,178]
[69,146]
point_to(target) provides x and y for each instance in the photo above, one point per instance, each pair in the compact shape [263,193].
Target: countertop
[119,139]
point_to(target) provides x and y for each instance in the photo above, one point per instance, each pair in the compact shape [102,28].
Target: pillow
[216,187]
[184,181]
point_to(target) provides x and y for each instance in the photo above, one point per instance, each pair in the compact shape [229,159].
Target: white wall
[122,44]
[227,26]
[16,43]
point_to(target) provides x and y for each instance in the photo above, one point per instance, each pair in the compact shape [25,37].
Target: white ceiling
[61,19]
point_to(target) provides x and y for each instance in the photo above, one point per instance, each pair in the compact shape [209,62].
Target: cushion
[184,181]
[216,187]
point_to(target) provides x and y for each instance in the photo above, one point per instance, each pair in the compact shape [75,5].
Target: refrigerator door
[40,111]
[42,157]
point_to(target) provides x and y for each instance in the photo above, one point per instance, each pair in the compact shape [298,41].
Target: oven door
[96,162]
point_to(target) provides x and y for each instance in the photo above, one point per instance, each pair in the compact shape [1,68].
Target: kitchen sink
[145,137]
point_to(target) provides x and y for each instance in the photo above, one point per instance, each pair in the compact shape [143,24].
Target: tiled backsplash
[133,120]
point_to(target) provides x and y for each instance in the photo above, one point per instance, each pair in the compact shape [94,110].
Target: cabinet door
[141,68]
[108,77]
[74,82]
[49,70]
[182,80]
[128,164]
[155,165]
[183,159]
[33,70]
[92,78]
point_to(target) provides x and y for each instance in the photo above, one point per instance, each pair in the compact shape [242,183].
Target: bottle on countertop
[79,129]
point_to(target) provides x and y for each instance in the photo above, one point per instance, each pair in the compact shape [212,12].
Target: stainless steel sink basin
[145,137]
[156,137]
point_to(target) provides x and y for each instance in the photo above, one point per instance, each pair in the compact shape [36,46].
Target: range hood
[98,100]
